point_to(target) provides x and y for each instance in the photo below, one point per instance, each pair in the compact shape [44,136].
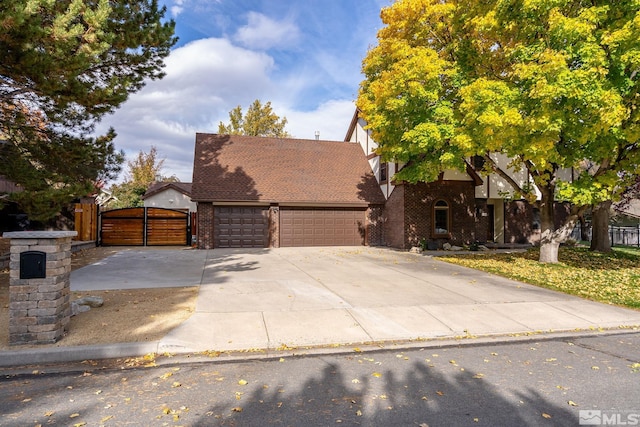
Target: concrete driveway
[292,297]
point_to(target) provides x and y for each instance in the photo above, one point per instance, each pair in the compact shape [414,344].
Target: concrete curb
[128,350]
[36,356]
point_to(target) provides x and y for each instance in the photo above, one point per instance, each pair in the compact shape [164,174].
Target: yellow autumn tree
[260,120]
[552,84]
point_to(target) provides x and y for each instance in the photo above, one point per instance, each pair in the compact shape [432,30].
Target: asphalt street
[531,383]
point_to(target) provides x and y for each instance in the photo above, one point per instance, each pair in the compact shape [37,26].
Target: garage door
[321,227]
[240,227]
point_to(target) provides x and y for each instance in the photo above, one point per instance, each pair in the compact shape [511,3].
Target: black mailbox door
[33,265]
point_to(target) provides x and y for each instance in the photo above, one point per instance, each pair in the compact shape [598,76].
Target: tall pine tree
[64,65]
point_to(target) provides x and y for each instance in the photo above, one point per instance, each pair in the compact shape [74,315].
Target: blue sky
[304,56]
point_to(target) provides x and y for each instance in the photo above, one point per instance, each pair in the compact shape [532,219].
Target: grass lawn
[612,278]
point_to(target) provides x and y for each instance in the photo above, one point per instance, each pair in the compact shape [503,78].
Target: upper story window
[441,218]
[384,173]
[478,162]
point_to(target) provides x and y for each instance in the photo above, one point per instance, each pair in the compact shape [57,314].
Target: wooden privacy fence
[86,221]
[145,227]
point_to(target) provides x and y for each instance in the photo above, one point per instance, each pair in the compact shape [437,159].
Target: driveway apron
[296,297]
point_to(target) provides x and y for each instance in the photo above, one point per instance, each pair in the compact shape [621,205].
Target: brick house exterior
[273,192]
[474,208]
[410,208]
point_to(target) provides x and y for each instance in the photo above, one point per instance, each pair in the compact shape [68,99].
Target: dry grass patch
[128,315]
[136,315]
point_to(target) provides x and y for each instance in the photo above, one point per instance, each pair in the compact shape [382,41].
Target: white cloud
[204,80]
[331,119]
[262,32]
[177,8]
[208,77]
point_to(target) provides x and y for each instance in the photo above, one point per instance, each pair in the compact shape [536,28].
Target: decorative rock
[77,308]
[93,302]
[446,246]
[415,250]
[455,248]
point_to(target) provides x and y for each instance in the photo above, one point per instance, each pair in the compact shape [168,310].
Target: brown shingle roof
[246,168]
[157,187]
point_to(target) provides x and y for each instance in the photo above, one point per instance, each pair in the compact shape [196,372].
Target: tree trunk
[549,252]
[600,241]
[548,245]
[584,232]
[550,237]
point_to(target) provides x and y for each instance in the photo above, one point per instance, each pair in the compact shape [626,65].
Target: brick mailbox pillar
[39,290]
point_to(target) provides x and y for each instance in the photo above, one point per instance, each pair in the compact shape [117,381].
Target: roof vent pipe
[317,135]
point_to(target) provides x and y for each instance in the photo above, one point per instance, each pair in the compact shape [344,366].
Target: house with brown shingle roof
[169,195]
[272,192]
[459,208]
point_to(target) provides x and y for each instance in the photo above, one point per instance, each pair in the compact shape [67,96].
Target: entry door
[492,217]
